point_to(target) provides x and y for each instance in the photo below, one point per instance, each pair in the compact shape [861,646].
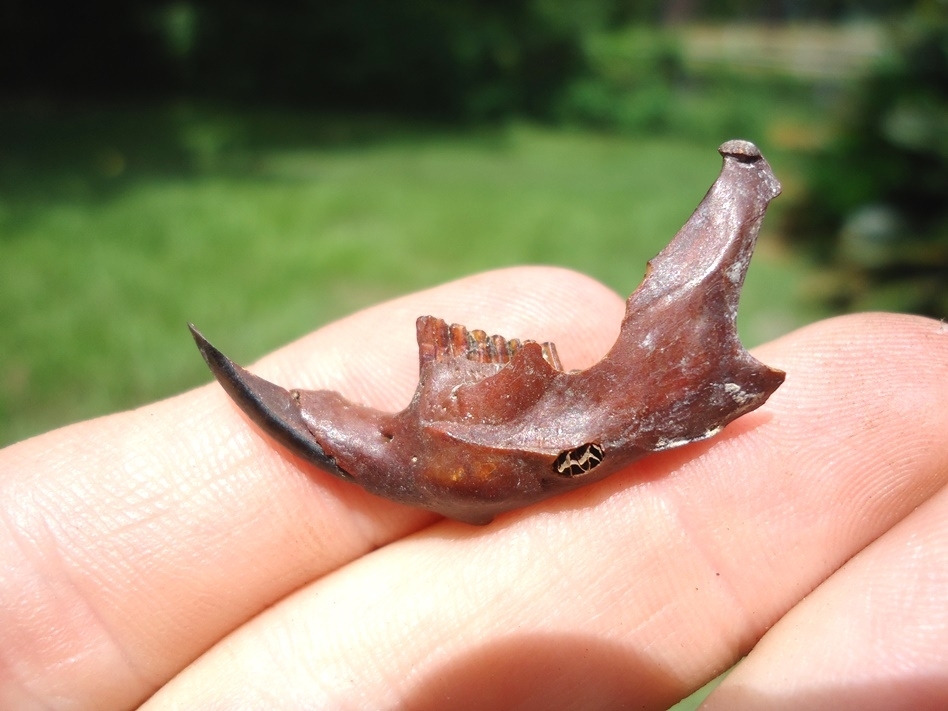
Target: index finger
[635,591]
[131,543]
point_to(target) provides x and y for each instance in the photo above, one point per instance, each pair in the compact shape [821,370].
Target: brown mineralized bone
[496,424]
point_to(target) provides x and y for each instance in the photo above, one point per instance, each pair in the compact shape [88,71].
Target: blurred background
[261,168]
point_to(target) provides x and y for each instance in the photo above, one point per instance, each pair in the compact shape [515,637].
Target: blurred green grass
[119,226]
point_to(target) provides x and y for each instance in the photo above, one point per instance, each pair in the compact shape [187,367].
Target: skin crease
[174,550]
[892,592]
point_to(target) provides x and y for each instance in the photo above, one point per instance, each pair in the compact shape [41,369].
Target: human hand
[173,549]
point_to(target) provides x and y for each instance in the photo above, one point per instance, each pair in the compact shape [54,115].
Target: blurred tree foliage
[671,11]
[876,204]
[467,59]
[470,59]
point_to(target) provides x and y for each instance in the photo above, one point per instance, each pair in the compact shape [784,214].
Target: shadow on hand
[548,671]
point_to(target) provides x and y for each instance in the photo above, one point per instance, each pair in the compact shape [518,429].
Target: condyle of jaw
[496,424]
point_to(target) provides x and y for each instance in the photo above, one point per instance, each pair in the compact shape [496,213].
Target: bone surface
[497,424]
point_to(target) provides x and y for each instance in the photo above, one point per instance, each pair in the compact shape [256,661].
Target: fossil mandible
[497,424]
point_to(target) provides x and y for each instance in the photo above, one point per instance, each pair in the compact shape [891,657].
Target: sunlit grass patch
[261,242]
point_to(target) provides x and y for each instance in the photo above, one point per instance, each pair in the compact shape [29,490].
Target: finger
[131,543]
[874,636]
[632,592]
